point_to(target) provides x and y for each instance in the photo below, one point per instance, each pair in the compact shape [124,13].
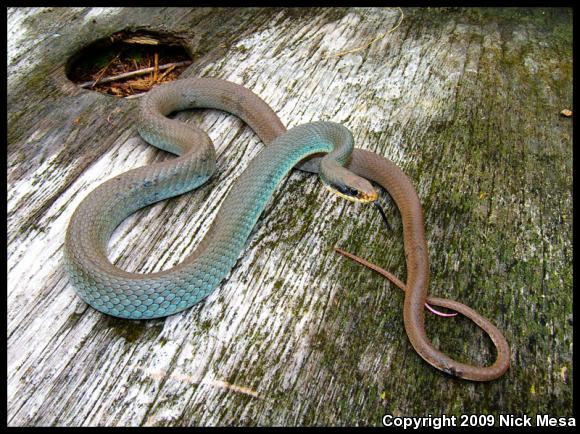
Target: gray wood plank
[466,101]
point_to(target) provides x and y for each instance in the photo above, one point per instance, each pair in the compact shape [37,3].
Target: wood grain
[466,101]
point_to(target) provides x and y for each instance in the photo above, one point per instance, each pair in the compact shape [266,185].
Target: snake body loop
[117,292]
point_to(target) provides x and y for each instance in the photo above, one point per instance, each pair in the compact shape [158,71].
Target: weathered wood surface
[467,102]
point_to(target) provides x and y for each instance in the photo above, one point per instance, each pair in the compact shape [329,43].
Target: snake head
[352,187]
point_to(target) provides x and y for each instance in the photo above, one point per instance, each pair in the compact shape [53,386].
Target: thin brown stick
[101,72]
[389,276]
[162,76]
[156,67]
[372,266]
[134,73]
[354,50]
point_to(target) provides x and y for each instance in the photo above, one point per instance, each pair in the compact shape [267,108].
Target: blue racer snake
[325,148]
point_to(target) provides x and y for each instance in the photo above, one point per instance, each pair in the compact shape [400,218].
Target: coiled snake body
[140,296]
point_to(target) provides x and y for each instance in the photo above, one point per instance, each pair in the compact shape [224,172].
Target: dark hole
[128,62]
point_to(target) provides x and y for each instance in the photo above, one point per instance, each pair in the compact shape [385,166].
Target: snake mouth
[352,194]
[367,198]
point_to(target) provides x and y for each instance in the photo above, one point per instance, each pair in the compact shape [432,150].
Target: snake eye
[351,193]
[348,191]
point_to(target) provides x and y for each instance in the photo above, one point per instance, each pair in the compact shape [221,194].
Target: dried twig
[389,276]
[134,73]
[354,50]
[141,40]
[137,95]
[102,72]
[162,76]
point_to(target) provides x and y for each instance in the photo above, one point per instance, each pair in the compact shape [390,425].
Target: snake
[324,148]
